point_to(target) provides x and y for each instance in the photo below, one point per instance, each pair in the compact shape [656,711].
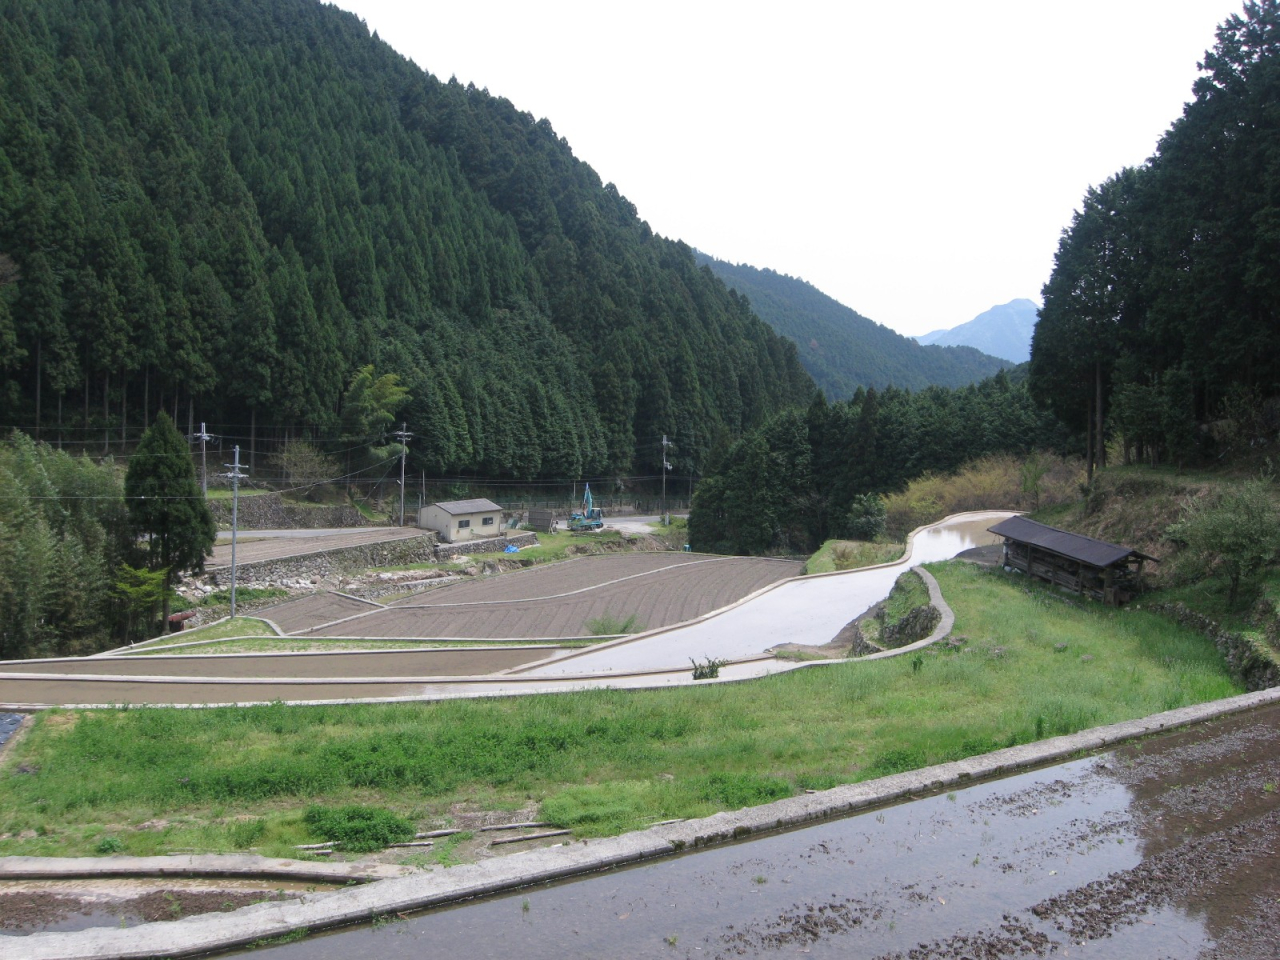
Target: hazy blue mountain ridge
[1003,331]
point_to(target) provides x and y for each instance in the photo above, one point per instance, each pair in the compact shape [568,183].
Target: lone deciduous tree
[166,508]
[1233,537]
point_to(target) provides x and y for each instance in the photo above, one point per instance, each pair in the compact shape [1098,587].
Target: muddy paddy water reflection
[1165,849]
[807,610]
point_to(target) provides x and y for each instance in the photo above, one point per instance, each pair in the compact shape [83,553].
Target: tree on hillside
[1092,300]
[1234,537]
[165,505]
[369,412]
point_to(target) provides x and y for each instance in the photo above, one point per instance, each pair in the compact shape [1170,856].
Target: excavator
[590,517]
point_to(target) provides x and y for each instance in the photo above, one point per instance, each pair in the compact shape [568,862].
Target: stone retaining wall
[326,563]
[446,551]
[270,511]
[916,625]
[1249,660]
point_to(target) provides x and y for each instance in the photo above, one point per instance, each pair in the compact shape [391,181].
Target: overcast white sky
[915,161]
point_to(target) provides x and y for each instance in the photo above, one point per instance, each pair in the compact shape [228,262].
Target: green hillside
[843,350]
[226,208]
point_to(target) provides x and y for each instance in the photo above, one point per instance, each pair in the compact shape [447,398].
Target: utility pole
[203,436]
[235,476]
[666,465]
[403,436]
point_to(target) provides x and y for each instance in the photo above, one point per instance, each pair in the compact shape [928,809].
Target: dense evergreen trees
[224,209]
[805,476]
[167,511]
[1163,309]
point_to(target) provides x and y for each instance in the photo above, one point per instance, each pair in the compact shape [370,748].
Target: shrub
[709,670]
[359,829]
[866,517]
[1234,536]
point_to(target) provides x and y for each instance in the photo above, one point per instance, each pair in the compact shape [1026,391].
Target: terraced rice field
[560,601]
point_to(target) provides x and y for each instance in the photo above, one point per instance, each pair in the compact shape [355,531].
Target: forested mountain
[1163,309]
[225,208]
[1003,331]
[841,349]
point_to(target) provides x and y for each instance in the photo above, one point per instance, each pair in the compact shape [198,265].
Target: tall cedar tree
[166,506]
[1163,309]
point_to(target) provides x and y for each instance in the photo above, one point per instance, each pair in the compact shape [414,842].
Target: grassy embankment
[850,554]
[998,482]
[237,627]
[600,761]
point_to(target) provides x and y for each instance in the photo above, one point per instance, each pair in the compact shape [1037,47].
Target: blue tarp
[511,548]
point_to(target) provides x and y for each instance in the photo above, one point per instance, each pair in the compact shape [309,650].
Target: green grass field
[602,761]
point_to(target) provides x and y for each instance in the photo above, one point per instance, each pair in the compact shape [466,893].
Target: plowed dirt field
[559,601]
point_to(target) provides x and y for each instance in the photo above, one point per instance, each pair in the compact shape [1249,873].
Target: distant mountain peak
[1003,331]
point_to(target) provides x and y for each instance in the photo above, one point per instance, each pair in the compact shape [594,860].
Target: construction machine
[589,517]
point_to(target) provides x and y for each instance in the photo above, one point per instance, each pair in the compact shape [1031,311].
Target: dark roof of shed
[455,507]
[1096,553]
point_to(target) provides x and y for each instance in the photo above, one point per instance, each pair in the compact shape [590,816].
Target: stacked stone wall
[1250,660]
[466,548]
[328,563]
[916,625]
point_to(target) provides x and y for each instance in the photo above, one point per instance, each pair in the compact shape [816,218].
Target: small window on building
[463,524]
[487,522]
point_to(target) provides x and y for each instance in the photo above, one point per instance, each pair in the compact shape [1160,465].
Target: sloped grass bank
[851,554]
[604,761]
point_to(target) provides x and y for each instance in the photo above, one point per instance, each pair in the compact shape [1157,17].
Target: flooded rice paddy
[1168,848]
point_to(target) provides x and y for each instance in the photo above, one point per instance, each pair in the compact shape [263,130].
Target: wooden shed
[1104,571]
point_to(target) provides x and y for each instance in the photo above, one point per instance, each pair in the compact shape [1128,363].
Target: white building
[458,520]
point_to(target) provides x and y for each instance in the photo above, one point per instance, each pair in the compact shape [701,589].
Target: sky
[917,162]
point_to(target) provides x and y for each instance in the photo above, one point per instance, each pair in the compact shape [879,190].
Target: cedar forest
[260,216]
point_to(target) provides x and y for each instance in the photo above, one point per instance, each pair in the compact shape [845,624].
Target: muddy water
[807,610]
[1166,849]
